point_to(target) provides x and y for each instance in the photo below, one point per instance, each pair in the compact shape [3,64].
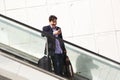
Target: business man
[56,47]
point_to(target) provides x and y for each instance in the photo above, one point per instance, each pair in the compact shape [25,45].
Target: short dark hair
[52,17]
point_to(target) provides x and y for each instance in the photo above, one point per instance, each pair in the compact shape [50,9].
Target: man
[56,47]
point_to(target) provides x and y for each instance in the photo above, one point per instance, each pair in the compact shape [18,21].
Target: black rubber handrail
[21,58]
[30,27]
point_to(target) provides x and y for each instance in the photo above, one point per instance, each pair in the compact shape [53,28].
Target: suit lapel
[50,28]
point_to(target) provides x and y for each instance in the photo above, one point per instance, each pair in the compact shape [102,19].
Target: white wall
[93,24]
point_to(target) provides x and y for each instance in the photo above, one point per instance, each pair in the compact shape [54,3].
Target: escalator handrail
[35,29]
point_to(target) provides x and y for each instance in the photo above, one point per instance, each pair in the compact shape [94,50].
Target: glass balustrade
[85,63]
[21,38]
[92,66]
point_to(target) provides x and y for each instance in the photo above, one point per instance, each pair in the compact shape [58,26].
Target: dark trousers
[58,63]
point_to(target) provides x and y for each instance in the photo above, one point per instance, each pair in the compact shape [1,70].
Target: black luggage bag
[45,63]
[68,70]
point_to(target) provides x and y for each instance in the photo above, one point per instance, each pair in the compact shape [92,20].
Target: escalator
[14,67]
[24,45]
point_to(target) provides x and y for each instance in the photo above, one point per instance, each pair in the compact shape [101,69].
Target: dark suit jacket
[51,39]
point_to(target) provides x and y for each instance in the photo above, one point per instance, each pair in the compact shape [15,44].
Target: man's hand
[57,32]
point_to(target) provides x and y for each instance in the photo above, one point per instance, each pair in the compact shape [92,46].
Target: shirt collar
[53,28]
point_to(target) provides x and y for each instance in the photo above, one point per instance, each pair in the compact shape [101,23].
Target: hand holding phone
[57,32]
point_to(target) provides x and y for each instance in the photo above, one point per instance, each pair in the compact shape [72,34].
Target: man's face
[53,23]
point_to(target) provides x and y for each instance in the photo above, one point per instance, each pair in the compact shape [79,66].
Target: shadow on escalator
[84,66]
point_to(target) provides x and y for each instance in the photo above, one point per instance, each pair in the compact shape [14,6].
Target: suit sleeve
[46,31]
